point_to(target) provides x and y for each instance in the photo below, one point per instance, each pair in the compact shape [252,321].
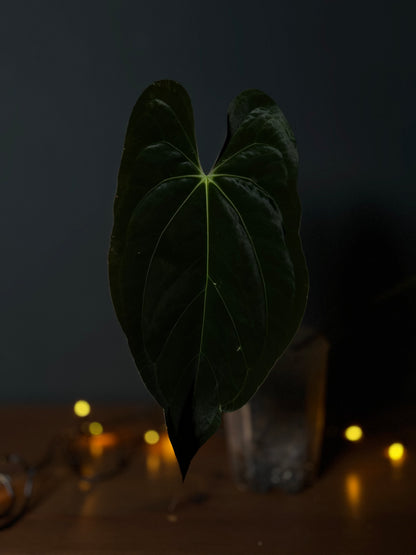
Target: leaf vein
[156,247]
[177,322]
[242,150]
[191,143]
[217,383]
[181,152]
[206,279]
[236,333]
[180,378]
[259,266]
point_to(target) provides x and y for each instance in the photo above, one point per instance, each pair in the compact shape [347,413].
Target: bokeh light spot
[151,437]
[82,408]
[95,428]
[353,433]
[353,491]
[396,451]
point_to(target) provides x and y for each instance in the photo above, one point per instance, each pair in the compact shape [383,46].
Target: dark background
[344,75]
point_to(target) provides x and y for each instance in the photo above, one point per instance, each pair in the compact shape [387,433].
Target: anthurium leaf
[207,273]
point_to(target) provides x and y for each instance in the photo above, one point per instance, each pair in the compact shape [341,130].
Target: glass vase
[275,440]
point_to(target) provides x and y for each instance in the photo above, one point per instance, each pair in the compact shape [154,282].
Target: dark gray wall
[343,73]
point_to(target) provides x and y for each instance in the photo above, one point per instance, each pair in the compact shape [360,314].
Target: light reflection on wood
[160,455]
[98,443]
[152,464]
[166,449]
[353,492]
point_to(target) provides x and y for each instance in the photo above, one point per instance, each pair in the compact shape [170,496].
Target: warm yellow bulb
[353,433]
[82,408]
[396,451]
[95,428]
[151,437]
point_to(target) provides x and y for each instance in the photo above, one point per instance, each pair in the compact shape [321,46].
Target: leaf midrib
[206,180]
[250,238]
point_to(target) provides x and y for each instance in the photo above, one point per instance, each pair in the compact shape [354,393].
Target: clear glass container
[275,440]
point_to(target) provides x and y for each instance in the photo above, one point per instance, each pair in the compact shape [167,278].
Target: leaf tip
[185,439]
[184,444]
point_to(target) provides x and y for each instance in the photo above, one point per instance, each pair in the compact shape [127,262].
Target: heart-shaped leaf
[207,273]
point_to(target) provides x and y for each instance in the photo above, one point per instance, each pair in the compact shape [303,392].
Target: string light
[95,428]
[82,408]
[353,433]
[396,452]
[151,437]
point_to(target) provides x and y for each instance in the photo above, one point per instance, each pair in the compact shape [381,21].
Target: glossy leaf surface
[207,273]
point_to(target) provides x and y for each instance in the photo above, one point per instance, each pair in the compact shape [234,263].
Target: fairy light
[95,428]
[353,433]
[82,408]
[151,437]
[396,452]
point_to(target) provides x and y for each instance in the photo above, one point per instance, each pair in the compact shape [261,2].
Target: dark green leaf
[207,273]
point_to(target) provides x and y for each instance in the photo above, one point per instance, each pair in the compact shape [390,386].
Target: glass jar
[275,439]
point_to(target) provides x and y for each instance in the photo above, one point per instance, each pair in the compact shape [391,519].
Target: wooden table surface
[361,504]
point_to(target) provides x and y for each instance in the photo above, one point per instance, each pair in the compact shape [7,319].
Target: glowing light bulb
[95,428]
[353,433]
[151,437]
[396,452]
[82,408]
